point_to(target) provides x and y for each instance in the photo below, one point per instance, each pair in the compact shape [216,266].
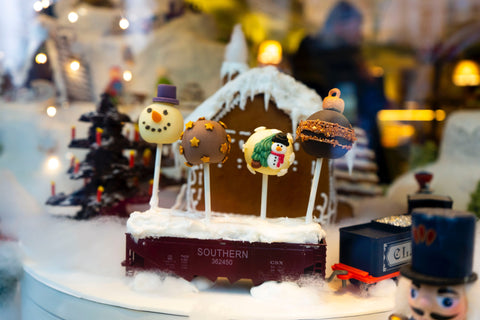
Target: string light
[466,73]
[41,58]
[45,4]
[123,23]
[75,65]
[73,17]
[127,75]
[53,163]
[37,6]
[51,111]
[270,52]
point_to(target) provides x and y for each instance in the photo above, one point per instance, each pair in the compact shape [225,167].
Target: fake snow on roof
[159,222]
[291,96]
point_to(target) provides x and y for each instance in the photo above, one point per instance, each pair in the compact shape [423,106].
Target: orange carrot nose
[279,148]
[156,116]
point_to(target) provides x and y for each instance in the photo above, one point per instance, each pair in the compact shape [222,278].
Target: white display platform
[53,294]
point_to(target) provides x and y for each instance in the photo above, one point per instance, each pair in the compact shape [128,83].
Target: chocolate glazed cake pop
[327,133]
[205,141]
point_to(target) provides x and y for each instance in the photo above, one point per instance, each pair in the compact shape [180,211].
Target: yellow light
[123,23]
[270,52]
[73,17]
[51,111]
[411,115]
[53,163]
[466,73]
[37,6]
[394,135]
[127,75]
[41,58]
[75,65]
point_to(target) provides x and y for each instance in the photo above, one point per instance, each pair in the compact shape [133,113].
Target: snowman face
[160,123]
[279,148]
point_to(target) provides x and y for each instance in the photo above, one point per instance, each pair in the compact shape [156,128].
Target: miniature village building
[261,97]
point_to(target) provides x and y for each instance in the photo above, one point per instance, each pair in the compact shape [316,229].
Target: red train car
[234,260]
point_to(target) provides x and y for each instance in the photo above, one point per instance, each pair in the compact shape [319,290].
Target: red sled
[344,273]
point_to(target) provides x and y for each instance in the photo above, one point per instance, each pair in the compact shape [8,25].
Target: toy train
[376,251]
[369,252]
[234,260]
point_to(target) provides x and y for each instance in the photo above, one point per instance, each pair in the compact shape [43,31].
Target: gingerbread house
[261,97]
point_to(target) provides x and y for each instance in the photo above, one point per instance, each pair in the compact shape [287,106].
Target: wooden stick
[263,208]
[313,190]
[156,177]
[206,182]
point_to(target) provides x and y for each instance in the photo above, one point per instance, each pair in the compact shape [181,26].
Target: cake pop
[161,123]
[270,152]
[325,134]
[205,142]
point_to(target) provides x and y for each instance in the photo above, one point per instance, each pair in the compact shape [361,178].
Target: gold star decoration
[229,139]
[224,148]
[201,118]
[189,125]
[194,142]
[180,149]
[188,164]
[222,124]
[205,159]
[209,126]
[224,159]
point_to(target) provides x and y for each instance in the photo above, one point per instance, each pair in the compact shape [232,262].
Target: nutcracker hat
[166,93]
[442,247]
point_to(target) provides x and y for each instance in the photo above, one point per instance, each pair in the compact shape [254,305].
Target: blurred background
[402,65]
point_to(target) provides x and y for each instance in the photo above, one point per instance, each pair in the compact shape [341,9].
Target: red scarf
[281,158]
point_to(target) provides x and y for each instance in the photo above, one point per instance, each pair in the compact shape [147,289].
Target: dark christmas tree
[111,179]
[474,205]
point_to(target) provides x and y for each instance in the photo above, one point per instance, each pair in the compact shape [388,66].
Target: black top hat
[281,138]
[166,93]
[442,247]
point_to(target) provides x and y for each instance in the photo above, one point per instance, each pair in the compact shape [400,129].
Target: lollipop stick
[156,177]
[206,182]
[263,208]
[313,190]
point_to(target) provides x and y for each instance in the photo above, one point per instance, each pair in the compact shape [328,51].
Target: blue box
[376,248]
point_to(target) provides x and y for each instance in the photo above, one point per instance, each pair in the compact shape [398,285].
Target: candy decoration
[270,152]
[100,190]
[205,142]
[98,136]
[325,134]
[131,161]
[161,123]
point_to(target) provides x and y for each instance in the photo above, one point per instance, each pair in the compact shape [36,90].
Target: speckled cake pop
[327,133]
[269,151]
[205,141]
[161,122]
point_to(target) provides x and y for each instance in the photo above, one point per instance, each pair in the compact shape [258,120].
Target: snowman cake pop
[161,122]
[269,151]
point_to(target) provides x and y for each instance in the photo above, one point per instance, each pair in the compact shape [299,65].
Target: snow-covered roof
[291,96]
